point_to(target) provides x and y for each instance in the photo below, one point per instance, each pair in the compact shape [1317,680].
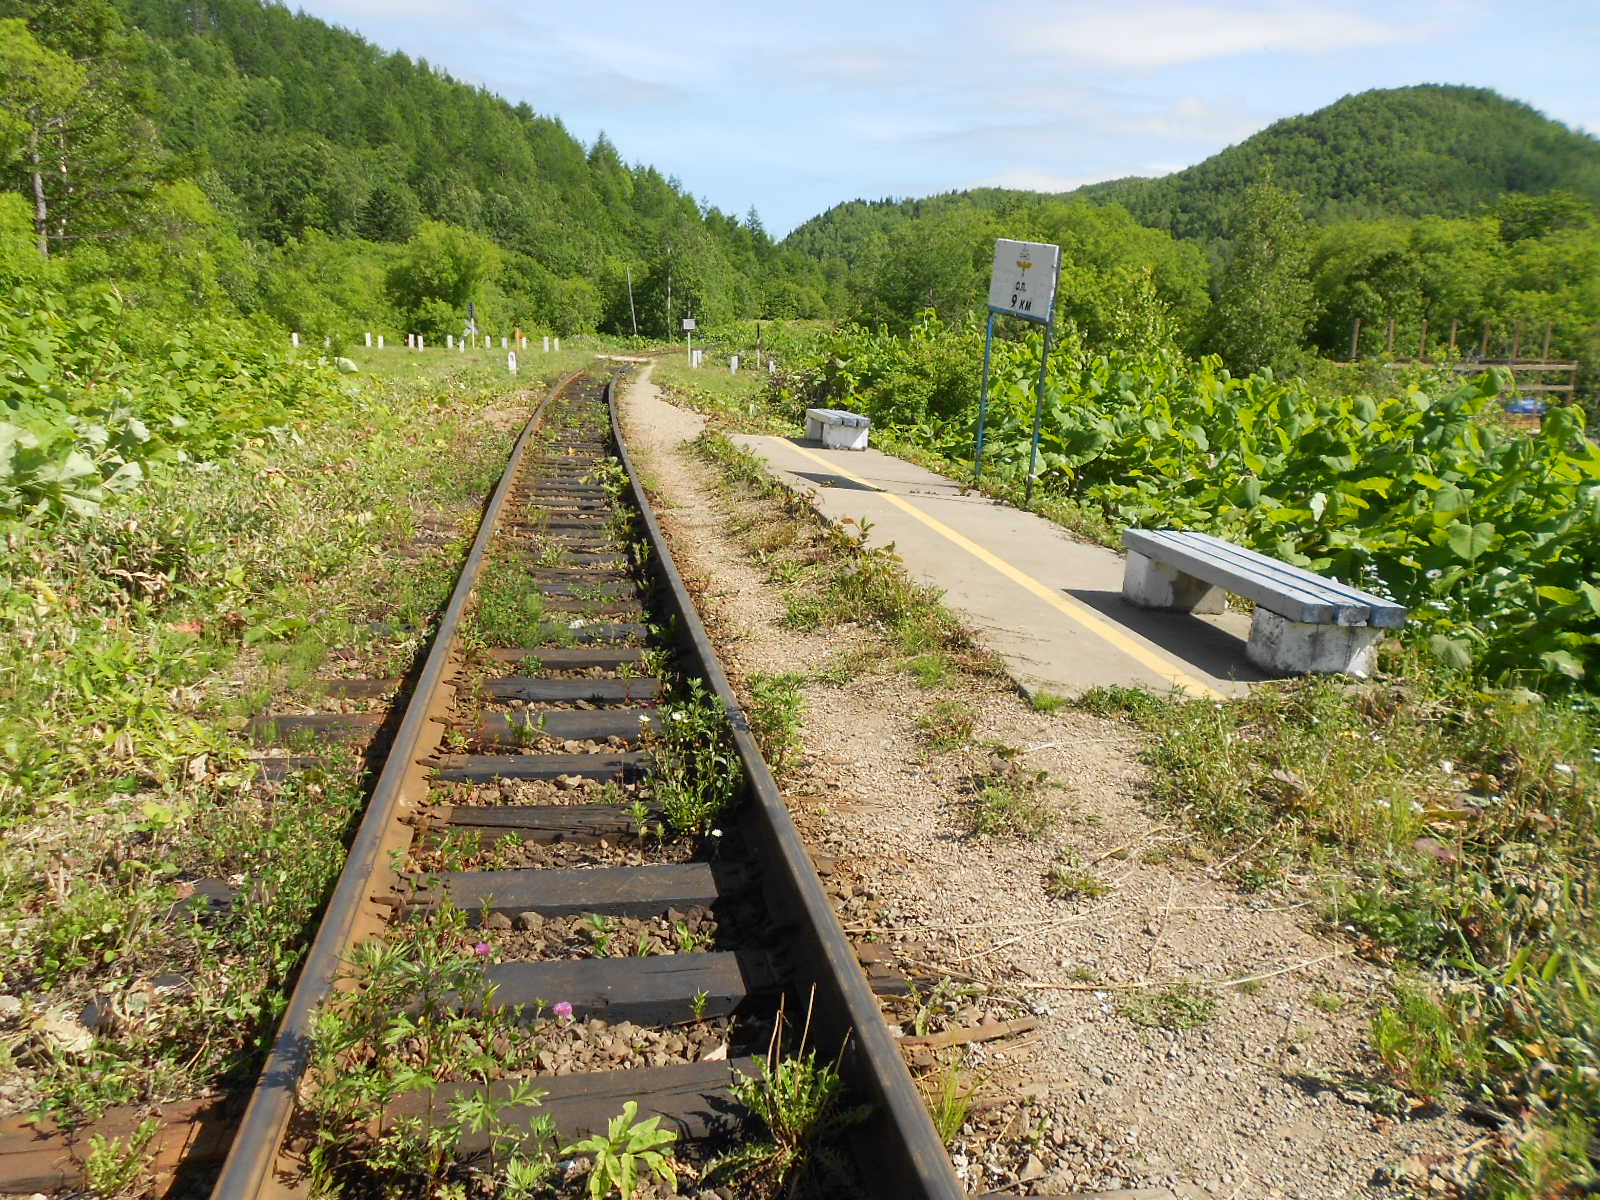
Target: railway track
[574,819]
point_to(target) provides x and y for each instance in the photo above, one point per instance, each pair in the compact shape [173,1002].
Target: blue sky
[795,107]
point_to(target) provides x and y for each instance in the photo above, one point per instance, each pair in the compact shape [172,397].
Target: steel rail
[248,1171]
[913,1156]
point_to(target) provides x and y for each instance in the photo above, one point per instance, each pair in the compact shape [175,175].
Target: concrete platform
[1049,605]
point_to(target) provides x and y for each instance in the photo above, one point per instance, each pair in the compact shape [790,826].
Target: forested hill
[1419,151]
[1429,150]
[310,157]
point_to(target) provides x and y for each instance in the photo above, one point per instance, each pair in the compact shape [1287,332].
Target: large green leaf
[1471,541]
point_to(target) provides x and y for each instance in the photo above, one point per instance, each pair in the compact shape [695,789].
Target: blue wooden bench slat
[1382,613]
[1345,604]
[836,416]
[1290,591]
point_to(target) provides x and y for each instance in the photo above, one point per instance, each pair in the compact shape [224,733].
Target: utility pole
[670,338]
[632,316]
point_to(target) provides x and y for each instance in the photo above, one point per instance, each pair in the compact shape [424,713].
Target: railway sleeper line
[519,797]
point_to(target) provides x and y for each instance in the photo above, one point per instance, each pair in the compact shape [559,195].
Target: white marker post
[558,345]
[547,344]
[369,339]
[733,364]
[380,341]
[449,341]
[688,333]
[511,362]
[502,343]
[1022,284]
[294,340]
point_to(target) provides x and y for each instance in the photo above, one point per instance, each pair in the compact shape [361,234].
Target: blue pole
[983,402]
[1038,415]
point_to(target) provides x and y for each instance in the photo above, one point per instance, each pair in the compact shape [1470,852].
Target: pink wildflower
[482,950]
[562,1009]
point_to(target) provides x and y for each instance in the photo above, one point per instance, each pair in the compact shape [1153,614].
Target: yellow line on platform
[1070,606]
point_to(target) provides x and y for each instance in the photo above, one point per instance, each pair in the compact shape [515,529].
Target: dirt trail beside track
[1260,1098]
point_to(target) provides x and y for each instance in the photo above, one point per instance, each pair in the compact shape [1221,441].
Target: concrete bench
[836,429]
[1303,621]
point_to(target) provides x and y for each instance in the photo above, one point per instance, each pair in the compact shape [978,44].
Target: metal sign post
[688,334]
[1022,284]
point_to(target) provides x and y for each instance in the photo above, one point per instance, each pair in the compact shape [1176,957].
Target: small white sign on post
[688,323]
[1023,283]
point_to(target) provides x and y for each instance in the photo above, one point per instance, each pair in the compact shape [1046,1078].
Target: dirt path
[1237,1106]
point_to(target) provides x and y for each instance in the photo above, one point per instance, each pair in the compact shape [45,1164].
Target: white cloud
[1192,119]
[1164,33]
[354,14]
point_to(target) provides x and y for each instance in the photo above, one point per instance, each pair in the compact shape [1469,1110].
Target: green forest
[233,158]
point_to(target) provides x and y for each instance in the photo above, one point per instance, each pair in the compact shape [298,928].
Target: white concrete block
[1151,584]
[845,437]
[1287,647]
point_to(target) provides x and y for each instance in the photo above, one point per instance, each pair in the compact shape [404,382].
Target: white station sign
[1024,279]
[688,322]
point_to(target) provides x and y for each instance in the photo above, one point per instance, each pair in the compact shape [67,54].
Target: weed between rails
[1453,831]
[422,1085]
[696,774]
[403,1066]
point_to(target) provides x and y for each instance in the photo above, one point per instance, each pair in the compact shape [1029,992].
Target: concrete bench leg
[1152,584]
[1287,647]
